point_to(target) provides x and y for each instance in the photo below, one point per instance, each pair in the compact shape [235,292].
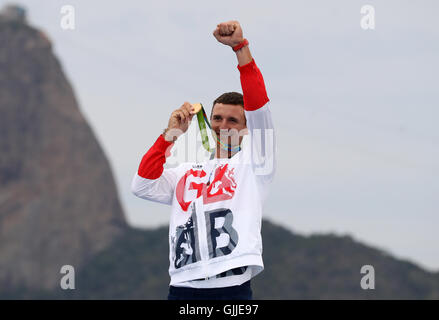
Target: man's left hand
[229,33]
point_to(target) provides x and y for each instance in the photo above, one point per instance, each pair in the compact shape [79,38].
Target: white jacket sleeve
[158,190]
[263,143]
[151,181]
[259,122]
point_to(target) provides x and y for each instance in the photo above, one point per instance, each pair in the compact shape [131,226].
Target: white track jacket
[215,224]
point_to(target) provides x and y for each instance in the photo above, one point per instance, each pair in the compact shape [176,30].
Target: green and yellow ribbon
[202,121]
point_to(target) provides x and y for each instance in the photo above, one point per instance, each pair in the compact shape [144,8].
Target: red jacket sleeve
[253,86]
[151,166]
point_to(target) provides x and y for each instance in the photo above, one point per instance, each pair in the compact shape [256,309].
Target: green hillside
[296,267]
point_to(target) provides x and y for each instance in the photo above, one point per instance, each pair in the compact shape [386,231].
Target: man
[215,225]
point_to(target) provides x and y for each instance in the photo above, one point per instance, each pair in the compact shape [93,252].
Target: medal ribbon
[202,120]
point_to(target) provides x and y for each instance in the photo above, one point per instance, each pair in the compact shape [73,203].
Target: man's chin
[223,145]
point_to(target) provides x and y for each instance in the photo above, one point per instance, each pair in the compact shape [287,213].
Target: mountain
[296,267]
[58,200]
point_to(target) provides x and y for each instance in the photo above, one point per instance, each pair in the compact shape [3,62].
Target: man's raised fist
[229,33]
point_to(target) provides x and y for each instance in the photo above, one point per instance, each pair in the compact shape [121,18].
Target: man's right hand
[179,122]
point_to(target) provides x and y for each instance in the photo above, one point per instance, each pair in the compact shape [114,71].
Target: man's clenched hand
[179,122]
[229,33]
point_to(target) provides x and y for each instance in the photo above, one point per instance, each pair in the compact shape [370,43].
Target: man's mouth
[225,134]
[226,137]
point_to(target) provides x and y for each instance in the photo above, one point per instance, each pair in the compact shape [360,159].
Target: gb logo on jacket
[221,188]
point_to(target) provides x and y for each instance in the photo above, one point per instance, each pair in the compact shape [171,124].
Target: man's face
[230,118]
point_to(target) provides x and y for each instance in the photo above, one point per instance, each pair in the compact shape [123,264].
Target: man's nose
[223,125]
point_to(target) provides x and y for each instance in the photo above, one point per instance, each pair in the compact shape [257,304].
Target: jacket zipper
[202,232]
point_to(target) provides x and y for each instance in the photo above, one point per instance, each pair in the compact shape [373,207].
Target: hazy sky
[355,110]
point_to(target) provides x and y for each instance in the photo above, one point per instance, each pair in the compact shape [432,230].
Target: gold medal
[197,107]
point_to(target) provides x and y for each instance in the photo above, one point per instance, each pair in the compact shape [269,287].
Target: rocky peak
[58,199]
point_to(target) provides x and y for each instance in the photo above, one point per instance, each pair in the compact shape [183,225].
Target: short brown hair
[234,98]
